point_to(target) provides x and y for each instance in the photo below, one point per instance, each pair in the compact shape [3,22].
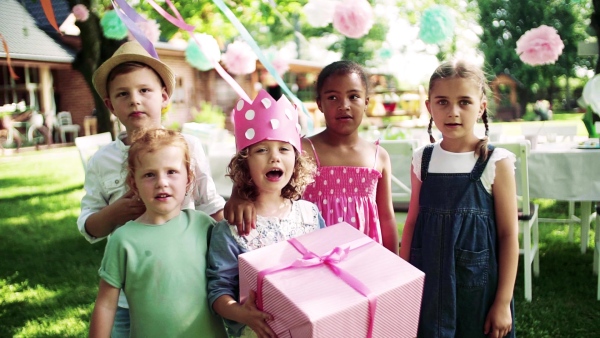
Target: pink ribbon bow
[330,260]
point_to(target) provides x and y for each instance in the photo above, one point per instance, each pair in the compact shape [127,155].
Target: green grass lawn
[48,271]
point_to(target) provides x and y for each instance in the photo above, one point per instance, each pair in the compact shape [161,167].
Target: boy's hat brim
[131,51]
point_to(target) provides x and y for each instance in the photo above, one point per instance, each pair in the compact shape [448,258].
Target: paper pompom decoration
[239,58]
[281,65]
[540,46]
[437,25]
[112,26]
[80,12]
[203,59]
[149,28]
[319,13]
[353,18]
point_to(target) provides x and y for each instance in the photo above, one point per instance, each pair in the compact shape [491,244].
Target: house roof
[27,41]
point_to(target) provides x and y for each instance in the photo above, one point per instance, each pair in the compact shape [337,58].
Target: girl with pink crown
[353,179]
[270,170]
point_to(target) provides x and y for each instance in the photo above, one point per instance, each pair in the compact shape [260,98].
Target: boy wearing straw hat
[135,87]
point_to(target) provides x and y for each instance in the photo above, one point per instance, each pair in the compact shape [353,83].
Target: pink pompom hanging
[150,28]
[540,46]
[80,12]
[353,18]
[239,58]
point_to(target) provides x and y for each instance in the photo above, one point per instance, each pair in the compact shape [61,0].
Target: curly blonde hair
[303,175]
[151,140]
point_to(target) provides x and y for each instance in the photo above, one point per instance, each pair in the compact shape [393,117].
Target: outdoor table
[562,171]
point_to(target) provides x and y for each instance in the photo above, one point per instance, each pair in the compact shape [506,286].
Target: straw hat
[131,51]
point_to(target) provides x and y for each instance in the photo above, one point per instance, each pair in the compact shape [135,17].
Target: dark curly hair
[239,172]
[341,68]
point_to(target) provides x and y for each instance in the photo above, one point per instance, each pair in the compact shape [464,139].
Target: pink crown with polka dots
[266,119]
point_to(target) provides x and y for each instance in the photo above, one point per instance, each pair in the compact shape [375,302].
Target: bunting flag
[49,12]
[10,69]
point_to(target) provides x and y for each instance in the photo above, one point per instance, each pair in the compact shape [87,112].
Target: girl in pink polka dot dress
[353,180]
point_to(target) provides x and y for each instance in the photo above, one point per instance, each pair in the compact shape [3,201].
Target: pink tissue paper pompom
[150,28]
[239,58]
[281,65]
[353,18]
[539,46]
[81,12]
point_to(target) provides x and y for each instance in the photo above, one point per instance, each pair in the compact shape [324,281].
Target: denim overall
[455,245]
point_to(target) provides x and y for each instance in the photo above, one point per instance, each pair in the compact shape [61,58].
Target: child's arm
[411,218]
[103,222]
[385,208]
[240,212]
[103,315]
[499,321]
[245,313]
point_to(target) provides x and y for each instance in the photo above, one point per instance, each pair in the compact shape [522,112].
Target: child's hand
[241,213]
[127,208]
[256,319]
[499,321]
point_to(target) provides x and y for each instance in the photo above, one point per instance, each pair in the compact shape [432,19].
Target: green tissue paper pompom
[437,25]
[195,57]
[112,26]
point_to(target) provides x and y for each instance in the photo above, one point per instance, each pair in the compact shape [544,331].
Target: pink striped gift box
[373,294]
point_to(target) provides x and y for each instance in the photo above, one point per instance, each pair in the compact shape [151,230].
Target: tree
[503,23]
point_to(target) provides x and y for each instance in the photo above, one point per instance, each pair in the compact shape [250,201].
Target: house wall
[73,95]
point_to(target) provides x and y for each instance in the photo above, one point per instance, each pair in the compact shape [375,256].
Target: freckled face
[161,180]
[343,100]
[455,105]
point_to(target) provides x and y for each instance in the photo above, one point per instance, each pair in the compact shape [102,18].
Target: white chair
[88,145]
[528,214]
[65,125]
[400,152]
[209,134]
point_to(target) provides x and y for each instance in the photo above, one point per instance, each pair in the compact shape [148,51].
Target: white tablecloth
[563,172]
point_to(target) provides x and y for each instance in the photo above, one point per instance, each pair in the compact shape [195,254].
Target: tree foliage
[503,23]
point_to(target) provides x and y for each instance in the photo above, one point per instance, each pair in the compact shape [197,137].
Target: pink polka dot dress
[347,194]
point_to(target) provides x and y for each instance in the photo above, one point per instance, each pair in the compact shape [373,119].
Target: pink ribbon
[179,22]
[330,259]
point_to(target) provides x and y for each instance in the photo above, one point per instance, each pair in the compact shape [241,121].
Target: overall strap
[376,153]
[426,158]
[314,152]
[481,164]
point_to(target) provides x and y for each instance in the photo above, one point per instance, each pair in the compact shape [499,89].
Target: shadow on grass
[50,276]
[45,194]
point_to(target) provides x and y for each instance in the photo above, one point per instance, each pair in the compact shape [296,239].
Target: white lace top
[443,161]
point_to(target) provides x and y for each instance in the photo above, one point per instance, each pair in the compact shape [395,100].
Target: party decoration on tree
[319,13]
[540,46]
[8,62]
[205,57]
[385,53]
[150,28]
[49,12]
[353,18]
[239,58]
[437,25]
[81,12]
[112,26]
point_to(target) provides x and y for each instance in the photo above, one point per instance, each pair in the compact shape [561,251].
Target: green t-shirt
[162,270]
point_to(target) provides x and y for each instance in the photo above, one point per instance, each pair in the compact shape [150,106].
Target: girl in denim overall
[462,226]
